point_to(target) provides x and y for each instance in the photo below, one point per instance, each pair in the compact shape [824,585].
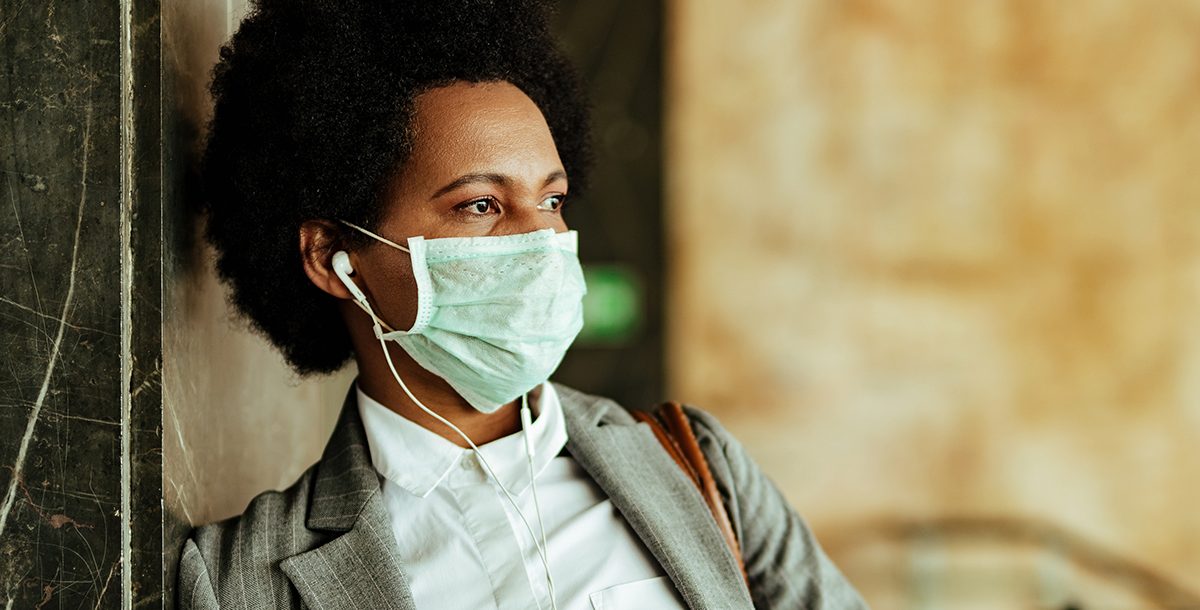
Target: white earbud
[341,262]
[342,268]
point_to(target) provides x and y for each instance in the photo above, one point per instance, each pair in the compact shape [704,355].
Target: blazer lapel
[358,568]
[656,498]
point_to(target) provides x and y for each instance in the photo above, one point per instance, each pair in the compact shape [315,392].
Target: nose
[528,217]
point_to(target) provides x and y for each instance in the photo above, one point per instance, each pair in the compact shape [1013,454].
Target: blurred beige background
[940,259]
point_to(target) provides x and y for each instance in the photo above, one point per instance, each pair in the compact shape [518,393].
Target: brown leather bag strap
[674,432]
[668,443]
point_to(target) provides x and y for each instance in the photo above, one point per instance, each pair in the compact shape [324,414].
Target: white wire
[537,507]
[540,550]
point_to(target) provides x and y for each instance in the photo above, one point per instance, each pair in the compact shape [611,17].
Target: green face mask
[495,315]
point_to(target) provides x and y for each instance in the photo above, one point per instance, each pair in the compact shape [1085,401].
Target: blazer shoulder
[589,409]
[709,431]
[704,422]
[247,548]
[787,566]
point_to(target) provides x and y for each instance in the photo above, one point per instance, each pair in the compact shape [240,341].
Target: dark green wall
[617,45]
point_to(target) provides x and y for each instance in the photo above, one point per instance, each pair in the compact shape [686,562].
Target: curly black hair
[313,109]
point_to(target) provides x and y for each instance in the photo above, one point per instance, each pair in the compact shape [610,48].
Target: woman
[385,182]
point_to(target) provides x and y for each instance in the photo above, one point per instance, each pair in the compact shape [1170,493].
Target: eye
[553,203]
[479,207]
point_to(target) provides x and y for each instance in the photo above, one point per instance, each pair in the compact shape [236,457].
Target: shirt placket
[535,570]
[503,544]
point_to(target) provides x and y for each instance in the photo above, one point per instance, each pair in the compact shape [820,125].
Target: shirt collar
[418,460]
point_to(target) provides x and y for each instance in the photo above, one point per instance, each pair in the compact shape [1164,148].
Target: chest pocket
[650,594]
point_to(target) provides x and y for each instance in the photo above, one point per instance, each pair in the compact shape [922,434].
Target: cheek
[393,292]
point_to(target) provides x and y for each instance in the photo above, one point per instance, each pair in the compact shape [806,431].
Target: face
[482,163]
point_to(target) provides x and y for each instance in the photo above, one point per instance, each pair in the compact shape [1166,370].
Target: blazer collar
[360,568]
[657,499]
[345,479]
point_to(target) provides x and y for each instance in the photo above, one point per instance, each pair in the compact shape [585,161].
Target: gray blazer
[326,542]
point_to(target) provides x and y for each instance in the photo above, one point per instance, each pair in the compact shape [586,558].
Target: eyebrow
[491,178]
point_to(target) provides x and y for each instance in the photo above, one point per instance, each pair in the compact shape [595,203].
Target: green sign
[612,308]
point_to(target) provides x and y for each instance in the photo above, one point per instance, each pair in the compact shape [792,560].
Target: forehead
[492,126]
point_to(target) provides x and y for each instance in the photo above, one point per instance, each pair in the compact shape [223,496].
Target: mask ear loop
[375,235]
[343,269]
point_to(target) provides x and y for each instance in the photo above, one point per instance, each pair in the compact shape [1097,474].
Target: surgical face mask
[495,314]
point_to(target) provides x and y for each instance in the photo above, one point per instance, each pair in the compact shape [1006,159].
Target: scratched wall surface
[79,325]
[939,258]
[236,420]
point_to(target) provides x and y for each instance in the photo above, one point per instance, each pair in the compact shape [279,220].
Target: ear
[319,240]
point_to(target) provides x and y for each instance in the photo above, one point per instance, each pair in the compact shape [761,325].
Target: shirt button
[465,463]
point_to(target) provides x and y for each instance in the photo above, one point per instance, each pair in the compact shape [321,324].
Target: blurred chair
[997,564]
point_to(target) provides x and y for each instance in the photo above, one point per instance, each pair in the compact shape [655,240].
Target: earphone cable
[539,548]
[361,300]
[526,419]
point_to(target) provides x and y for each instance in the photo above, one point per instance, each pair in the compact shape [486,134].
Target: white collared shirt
[463,545]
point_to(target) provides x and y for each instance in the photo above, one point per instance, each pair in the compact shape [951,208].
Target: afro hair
[313,107]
